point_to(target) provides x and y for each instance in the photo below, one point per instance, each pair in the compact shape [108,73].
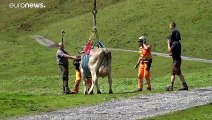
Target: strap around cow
[85,67]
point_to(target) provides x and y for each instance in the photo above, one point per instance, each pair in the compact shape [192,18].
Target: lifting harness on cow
[96,60]
[93,41]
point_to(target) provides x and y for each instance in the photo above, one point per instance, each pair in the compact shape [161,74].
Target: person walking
[174,47]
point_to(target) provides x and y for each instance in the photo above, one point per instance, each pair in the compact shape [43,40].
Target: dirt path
[133,108]
[167,55]
[49,43]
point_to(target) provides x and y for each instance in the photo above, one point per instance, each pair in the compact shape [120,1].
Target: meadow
[29,76]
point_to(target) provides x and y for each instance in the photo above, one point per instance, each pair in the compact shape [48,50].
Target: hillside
[119,22]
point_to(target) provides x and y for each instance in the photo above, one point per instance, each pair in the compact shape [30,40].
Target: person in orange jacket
[144,62]
[76,63]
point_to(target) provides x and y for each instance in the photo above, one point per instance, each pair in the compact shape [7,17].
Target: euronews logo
[27,5]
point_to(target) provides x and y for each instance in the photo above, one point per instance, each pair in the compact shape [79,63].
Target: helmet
[142,39]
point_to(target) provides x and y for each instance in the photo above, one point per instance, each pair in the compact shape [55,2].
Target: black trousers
[64,74]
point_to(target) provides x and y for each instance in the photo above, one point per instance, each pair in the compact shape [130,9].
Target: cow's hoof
[110,92]
[85,93]
[90,93]
[98,92]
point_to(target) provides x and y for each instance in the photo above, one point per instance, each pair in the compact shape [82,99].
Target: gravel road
[132,108]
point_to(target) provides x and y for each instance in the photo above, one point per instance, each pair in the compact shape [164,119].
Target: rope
[94,11]
[94,33]
[93,41]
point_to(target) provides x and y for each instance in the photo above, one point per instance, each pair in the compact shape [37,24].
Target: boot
[149,88]
[67,90]
[185,87]
[65,84]
[140,89]
[169,88]
[76,87]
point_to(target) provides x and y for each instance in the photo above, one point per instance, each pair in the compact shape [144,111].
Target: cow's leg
[110,84]
[94,78]
[97,87]
[85,87]
[84,81]
[109,74]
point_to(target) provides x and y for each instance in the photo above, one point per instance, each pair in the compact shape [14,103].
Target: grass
[29,75]
[31,95]
[195,113]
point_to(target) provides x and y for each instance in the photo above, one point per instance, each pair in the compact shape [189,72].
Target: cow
[99,65]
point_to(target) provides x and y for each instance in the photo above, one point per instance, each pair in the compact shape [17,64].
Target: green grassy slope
[16,46]
[29,73]
[31,95]
[196,113]
[120,23]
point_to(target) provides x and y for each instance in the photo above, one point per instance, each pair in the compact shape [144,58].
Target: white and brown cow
[99,65]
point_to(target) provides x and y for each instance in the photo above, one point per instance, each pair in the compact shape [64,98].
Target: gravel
[132,108]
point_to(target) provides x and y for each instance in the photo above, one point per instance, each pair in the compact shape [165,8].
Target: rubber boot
[76,87]
[185,87]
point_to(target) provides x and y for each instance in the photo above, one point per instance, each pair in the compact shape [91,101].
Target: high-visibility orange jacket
[145,53]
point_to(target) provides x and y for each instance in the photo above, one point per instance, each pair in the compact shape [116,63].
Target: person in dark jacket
[175,34]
